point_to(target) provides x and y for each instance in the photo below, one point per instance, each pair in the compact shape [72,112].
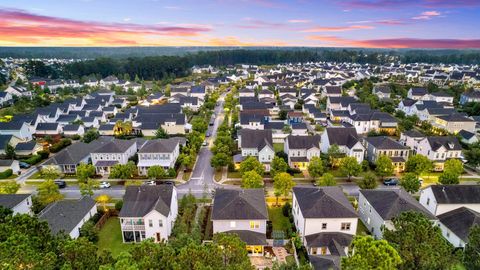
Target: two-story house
[346,139]
[17,128]
[301,149]
[439,199]
[383,145]
[112,153]
[438,149]
[18,203]
[453,123]
[148,212]
[160,152]
[456,224]
[257,143]
[242,212]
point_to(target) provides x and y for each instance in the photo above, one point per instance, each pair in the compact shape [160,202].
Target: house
[68,216]
[382,91]
[242,212]
[111,153]
[325,220]
[417,93]
[411,138]
[346,139]
[5,98]
[106,129]
[383,145]
[245,92]
[467,137]
[148,212]
[18,91]
[8,140]
[441,97]
[377,208]
[266,94]
[365,122]
[301,149]
[257,143]
[10,164]
[160,152]
[331,91]
[439,199]
[73,129]
[438,149]
[17,128]
[109,80]
[456,224]
[453,123]
[472,96]
[50,129]
[18,203]
[23,149]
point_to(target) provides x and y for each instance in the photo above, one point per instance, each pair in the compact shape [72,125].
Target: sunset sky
[321,23]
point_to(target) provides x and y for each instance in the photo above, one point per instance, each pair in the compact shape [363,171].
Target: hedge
[56,147]
[33,159]
[43,153]
[6,174]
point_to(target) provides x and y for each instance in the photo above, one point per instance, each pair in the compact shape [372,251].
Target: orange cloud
[337,28]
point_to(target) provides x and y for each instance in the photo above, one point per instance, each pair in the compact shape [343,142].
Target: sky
[313,23]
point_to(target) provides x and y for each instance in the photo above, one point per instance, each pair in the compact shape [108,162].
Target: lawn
[362,229]
[110,238]
[234,175]
[218,175]
[279,221]
[278,147]
[186,176]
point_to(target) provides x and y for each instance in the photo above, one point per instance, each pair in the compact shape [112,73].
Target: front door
[157,237]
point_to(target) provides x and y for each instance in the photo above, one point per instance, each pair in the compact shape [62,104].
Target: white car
[105,185]
[150,183]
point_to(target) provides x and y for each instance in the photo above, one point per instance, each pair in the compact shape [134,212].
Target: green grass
[336,173]
[278,147]
[37,175]
[361,228]
[279,221]
[234,175]
[218,175]
[298,175]
[186,176]
[110,238]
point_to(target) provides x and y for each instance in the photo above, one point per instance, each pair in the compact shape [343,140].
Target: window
[150,223]
[160,223]
[254,225]
[233,224]
[428,201]
[324,226]
[345,226]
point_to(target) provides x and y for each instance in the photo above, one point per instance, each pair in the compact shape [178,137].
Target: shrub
[56,147]
[119,205]
[286,209]
[5,174]
[44,154]
[76,137]
[293,171]
[172,173]
[33,159]
[89,231]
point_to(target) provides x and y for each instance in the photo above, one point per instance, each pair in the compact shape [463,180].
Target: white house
[346,139]
[301,149]
[321,216]
[148,212]
[161,152]
[16,128]
[377,208]
[68,216]
[456,224]
[18,203]
[10,164]
[439,199]
[111,153]
[438,149]
[257,143]
[242,212]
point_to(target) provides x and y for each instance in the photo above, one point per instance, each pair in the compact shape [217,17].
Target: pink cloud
[427,15]
[337,28]
[299,21]
[258,24]
[395,4]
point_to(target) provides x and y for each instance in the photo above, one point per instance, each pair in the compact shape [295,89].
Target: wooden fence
[105,217]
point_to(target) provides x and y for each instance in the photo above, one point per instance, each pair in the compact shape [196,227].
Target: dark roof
[65,215]
[299,126]
[303,142]
[389,203]
[76,152]
[11,200]
[449,142]
[409,102]
[460,220]
[253,138]
[456,117]
[324,202]
[115,146]
[342,136]
[159,146]
[12,125]
[232,204]
[419,91]
[6,162]
[71,127]
[25,146]
[384,142]
[274,125]
[333,89]
[466,134]
[413,133]
[456,194]
[47,126]
[250,237]
[324,262]
[141,200]
[4,139]
[335,241]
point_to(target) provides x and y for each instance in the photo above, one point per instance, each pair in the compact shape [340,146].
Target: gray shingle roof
[232,204]
[324,202]
[389,203]
[141,200]
[251,138]
[384,142]
[11,200]
[323,262]
[460,220]
[303,142]
[336,241]
[250,237]
[115,146]
[159,146]
[342,136]
[65,215]
[449,142]
[76,152]
[456,194]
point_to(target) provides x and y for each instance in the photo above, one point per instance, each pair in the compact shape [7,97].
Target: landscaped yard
[278,147]
[186,175]
[110,238]
[234,175]
[279,221]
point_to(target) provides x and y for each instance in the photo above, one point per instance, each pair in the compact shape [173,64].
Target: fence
[105,217]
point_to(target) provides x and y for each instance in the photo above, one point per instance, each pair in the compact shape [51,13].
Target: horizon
[372,24]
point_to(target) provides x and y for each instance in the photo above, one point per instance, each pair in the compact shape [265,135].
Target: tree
[327,180]
[282,184]
[89,231]
[471,257]
[123,171]
[419,242]
[87,187]
[90,135]
[48,192]
[79,254]
[448,178]
[333,154]
[85,171]
[315,167]
[161,133]
[103,200]
[50,172]
[9,187]
[282,115]
[10,151]
[278,165]
[473,155]
[410,182]
[453,168]
[369,181]
[168,90]
[156,172]
[252,164]
[122,128]
[199,124]
[219,160]
[233,252]
[384,166]
[252,179]
[418,164]
[350,167]
[367,253]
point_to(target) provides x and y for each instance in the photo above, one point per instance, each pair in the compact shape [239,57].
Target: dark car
[390,182]
[171,183]
[60,183]
[23,165]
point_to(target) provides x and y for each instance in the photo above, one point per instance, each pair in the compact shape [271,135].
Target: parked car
[104,185]
[208,134]
[390,182]
[23,165]
[150,183]
[204,143]
[172,183]
[60,183]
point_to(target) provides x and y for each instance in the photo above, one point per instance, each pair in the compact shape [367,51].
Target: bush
[119,205]
[76,137]
[89,231]
[56,147]
[286,209]
[33,159]
[172,173]
[293,171]
[7,173]
[44,154]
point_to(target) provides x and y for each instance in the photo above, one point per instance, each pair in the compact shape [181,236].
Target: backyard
[279,221]
[110,238]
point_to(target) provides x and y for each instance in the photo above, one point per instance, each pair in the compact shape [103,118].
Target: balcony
[130,227]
